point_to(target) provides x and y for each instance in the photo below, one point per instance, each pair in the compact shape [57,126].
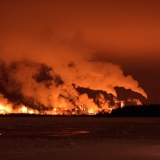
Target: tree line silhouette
[151,110]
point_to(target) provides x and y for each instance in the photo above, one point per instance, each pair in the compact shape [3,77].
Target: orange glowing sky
[123,32]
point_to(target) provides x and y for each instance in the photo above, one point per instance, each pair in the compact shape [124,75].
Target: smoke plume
[47,51]
[44,87]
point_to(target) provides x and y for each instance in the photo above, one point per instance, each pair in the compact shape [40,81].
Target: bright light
[91,111]
[55,111]
[122,104]
[1,107]
[24,109]
[31,112]
[2,110]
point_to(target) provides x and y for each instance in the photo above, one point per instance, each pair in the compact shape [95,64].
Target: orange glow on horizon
[70,110]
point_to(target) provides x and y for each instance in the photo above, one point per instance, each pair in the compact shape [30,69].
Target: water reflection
[55,131]
[66,133]
[81,132]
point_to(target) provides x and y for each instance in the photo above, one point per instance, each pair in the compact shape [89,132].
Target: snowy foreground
[79,138]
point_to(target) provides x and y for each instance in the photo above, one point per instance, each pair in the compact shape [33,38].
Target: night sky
[90,43]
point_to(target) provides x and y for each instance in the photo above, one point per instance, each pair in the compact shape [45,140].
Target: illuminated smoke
[44,89]
[134,101]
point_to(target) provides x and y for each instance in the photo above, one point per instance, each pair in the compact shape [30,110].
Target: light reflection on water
[65,133]
[43,132]
[81,132]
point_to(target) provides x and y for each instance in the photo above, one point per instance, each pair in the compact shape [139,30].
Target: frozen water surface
[79,138]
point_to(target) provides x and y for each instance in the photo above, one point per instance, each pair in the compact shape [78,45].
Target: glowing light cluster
[82,109]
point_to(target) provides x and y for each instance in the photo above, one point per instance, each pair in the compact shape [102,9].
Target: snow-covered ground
[79,138]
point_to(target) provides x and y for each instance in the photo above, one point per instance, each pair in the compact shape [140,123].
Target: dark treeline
[152,110]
